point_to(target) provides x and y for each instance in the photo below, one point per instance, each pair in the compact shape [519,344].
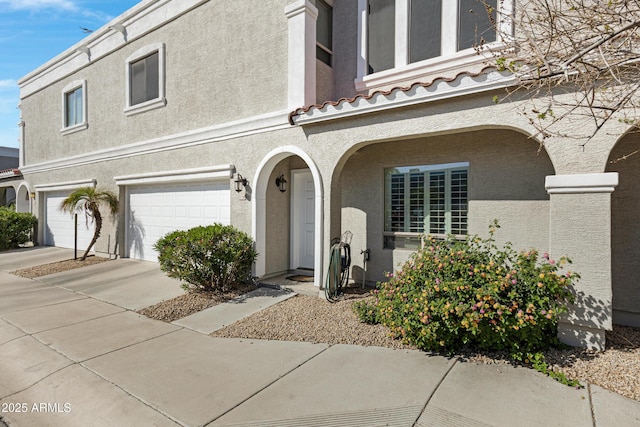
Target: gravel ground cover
[190,303]
[57,267]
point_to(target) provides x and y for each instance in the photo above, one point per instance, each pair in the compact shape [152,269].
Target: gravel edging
[191,303]
[57,267]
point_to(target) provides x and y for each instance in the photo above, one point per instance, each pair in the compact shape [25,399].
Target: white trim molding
[69,185]
[225,131]
[180,175]
[581,183]
[301,16]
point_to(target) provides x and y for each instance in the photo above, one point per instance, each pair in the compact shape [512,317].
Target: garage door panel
[155,211]
[60,226]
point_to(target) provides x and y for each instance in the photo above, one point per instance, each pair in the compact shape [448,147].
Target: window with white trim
[429,199]
[74,101]
[406,38]
[145,74]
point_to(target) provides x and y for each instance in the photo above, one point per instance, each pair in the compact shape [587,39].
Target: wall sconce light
[240,183]
[32,195]
[281,183]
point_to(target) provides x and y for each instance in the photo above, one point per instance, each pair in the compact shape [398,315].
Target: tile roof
[10,173]
[498,79]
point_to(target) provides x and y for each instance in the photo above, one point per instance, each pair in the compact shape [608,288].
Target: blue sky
[34,31]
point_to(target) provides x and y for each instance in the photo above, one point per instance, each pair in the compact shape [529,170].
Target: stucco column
[302,16]
[580,227]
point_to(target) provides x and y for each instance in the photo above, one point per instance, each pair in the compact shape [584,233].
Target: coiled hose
[338,272]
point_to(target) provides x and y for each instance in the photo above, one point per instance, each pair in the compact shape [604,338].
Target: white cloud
[9,83]
[37,5]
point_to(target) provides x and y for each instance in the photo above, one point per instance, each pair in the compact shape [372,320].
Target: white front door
[303,219]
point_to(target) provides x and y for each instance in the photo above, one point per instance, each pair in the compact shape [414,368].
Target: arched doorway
[287,225]
[23,202]
[625,230]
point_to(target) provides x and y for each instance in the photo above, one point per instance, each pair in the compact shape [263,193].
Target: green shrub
[454,293]
[15,228]
[214,257]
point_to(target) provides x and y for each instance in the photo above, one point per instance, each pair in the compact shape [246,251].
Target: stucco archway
[625,230]
[259,207]
[23,203]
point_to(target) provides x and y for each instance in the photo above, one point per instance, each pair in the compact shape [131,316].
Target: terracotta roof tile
[352,100]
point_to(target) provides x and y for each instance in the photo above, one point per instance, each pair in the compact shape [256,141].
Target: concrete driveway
[73,353]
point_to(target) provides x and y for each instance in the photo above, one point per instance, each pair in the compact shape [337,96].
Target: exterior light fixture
[240,183]
[281,183]
[32,195]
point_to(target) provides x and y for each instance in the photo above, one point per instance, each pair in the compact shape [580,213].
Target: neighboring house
[379,123]
[10,176]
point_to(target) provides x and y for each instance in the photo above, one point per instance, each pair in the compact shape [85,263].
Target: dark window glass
[425,29]
[381,42]
[476,23]
[145,79]
[73,107]
[324,32]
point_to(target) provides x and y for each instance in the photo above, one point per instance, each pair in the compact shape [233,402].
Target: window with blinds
[429,199]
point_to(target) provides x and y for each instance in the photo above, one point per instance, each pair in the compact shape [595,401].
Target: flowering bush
[454,293]
[214,257]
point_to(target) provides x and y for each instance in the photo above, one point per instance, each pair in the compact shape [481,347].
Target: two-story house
[298,120]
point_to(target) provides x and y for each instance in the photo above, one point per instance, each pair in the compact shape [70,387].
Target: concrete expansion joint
[127,392]
[40,380]
[268,385]
[435,389]
[593,413]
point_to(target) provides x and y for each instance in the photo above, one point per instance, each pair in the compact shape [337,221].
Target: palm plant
[88,200]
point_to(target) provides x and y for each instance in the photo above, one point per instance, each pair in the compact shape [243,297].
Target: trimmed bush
[471,293]
[211,258]
[15,228]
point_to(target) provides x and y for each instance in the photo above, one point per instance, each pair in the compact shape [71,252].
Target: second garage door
[154,211]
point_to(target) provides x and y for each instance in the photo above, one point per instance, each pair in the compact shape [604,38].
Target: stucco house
[373,116]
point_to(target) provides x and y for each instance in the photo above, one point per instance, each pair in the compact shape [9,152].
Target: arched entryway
[389,193]
[625,230]
[287,225]
[23,200]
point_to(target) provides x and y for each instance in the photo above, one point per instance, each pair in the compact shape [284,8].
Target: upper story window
[324,32]
[145,74]
[74,101]
[419,36]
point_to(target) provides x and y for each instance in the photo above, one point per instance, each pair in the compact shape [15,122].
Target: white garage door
[59,226]
[154,211]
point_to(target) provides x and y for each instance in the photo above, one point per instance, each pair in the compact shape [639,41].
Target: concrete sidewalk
[69,359]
